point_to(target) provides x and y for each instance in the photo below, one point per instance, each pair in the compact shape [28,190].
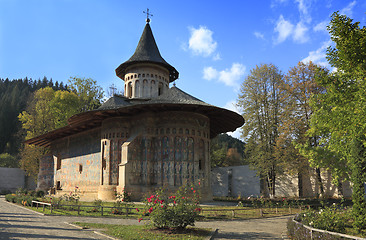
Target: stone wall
[13,178]
[242,181]
[235,181]
[74,161]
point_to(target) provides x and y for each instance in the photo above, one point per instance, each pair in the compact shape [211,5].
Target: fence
[313,233]
[77,207]
[43,204]
[261,211]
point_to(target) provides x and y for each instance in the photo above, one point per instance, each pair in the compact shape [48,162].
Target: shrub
[11,198]
[333,218]
[73,197]
[97,204]
[40,194]
[122,202]
[175,211]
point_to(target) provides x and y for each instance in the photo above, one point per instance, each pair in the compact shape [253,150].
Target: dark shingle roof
[147,52]
[176,96]
[115,101]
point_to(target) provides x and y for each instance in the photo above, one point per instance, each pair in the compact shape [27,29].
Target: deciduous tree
[340,111]
[260,102]
[298,86]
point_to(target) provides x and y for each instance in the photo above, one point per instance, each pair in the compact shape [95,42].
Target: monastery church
[154,136]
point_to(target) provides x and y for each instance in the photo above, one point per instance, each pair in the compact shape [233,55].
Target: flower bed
[299,231]
[332,222]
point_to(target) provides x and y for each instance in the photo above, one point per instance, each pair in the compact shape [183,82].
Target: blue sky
[213,44]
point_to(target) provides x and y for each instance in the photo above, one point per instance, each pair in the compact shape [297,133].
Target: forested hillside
[14,95]
[227,151]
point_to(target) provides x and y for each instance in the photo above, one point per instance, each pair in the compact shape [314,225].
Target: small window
[143,75]
[168,131]
[58,163]
[58,185]
[162,131]
[180,131]
[187,131]
[80,168]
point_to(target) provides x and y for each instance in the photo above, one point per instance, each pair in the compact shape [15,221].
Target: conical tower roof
[147,52]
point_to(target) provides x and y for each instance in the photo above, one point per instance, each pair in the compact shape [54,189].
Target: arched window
[153,89]
[160,90]
[129,90]
[137,89]
[145,88]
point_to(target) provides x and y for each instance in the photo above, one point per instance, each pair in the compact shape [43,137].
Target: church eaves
[147,52]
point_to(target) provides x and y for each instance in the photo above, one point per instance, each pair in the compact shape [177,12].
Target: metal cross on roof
[148,15]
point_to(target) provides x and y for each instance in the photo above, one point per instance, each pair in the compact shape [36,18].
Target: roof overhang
[221,120]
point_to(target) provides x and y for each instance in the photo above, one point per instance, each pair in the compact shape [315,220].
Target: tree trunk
[299,183]
[319,180]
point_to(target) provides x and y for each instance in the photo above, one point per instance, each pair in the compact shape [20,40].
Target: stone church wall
[168,150]
[74,161]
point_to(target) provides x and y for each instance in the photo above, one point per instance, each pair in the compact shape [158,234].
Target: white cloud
[216,57]
[284,29]
[209,73]
[201,41]
[230,77]
[231,105]
[259,35]
[318,56]
[300,33]
[322,26]
[303,6]
[348,10]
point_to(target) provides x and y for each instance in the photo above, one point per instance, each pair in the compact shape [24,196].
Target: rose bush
[172,211]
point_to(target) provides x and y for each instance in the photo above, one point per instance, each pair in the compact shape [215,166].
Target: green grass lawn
[208,213]
[147,232]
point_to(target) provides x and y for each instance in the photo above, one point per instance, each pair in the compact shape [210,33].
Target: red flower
[175,202]
[162,206]
[191,188]
[199,183]
[194,191]
[140,219]
[161,201]
[150,210]
[137,210]
[182,197]
[198,209]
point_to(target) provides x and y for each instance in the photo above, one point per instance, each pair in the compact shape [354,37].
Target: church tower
[146,74]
